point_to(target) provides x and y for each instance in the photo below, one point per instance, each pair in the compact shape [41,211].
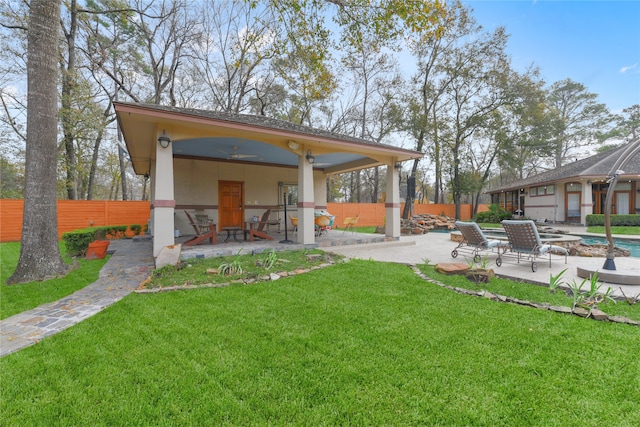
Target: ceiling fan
[235,155]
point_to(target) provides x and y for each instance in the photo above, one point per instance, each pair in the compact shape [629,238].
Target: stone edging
[266,278]
[594,314]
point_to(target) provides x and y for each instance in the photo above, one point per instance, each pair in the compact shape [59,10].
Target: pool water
[631,245]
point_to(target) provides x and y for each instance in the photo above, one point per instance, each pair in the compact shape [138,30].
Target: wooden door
[230,204]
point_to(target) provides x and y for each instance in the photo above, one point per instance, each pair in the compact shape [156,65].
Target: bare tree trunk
[39,253]
[123,173]
[376,183]
[144,187]
[68,84]
[94,164]
[437,161]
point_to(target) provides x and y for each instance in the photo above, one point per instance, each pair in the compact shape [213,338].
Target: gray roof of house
[266,122]
[596,166]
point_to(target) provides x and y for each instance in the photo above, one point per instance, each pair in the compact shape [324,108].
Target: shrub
[77,241]
[616,220]
[495,214]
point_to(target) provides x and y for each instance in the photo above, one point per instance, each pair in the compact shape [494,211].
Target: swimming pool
[631,245]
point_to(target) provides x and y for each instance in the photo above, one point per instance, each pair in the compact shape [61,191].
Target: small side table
[235,233]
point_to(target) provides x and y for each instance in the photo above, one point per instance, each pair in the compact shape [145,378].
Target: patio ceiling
[237,138]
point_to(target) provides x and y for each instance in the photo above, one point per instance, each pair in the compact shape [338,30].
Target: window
[543,190]
[290,189]
[623,186]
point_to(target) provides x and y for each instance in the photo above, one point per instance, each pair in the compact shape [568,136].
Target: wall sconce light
[164,139]
[398,166]
[310,157]
[293,145]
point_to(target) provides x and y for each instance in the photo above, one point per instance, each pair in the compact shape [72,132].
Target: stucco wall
[544,207]
[196,186]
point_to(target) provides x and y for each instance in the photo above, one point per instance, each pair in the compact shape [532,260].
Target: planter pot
[97,249]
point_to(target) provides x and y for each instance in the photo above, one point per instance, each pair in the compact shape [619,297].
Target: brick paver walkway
[130,265]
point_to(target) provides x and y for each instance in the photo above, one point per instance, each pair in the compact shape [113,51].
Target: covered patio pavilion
[234,167]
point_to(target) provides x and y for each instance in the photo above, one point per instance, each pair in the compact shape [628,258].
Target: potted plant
[97,249]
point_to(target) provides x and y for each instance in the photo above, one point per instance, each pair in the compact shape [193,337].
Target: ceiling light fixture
[164,139]
[310,157]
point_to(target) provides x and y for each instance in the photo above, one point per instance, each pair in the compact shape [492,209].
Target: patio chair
[204,230]
[474,241]
[350,223]
[322,224]
[525,240]
[294,222]
[257,229]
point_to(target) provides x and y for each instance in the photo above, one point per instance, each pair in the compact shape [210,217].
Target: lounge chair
[525,240]
[474,241]
[204,229]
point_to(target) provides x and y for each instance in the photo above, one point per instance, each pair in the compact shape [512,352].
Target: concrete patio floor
[333,238]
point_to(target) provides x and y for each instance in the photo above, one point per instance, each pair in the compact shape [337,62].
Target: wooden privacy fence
[75,214]
[374,213]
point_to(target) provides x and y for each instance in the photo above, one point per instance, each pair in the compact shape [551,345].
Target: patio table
[235,233]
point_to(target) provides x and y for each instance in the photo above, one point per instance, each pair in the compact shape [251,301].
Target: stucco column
[306,201]
[587,202]
[320,189]
[164,202]
[392,203]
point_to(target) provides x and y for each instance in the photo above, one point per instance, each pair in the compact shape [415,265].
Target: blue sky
[596,43]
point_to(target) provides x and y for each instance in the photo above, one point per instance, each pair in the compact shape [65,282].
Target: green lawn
[361,343]
[18,298]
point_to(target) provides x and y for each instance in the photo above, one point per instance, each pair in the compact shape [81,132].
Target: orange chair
[294,222]
[322,223]
[350,223]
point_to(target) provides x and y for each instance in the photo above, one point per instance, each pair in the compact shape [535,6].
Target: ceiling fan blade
[236,155]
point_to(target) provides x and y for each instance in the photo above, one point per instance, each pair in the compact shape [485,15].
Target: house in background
[234,167]
[570,193]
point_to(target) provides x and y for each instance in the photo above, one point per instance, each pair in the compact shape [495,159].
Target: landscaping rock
[480,275]
[452,268]
[582,312]
[560,309]
[169,255]
[599,314]
[596,250]
[421,224]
